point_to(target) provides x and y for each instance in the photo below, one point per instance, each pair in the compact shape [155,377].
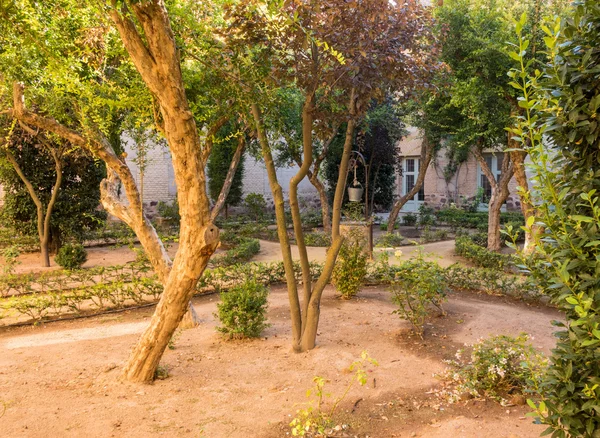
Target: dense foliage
[561,104]
[351,267]
[242,310]
[76,209]
[71,256]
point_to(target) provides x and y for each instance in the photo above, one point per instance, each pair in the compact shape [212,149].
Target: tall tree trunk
[340,188]
[313,177]
[156,57]
[305,319]
[286,251]
[518,158]
[222,199]
[498,198]
[425,160]
[325,211]
[43,218]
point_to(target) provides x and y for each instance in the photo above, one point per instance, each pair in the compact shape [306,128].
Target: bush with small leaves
[418,284]
[71,256]
[389,240]
[242,310]
[409,220]
[317,238]
[500,367]
[351,266]
[465,246]
[256,205]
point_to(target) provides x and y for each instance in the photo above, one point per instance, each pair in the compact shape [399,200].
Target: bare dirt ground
[61,379]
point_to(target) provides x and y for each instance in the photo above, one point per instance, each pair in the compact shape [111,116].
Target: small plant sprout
[315,420]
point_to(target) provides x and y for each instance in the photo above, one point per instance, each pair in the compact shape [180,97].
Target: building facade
[439,190]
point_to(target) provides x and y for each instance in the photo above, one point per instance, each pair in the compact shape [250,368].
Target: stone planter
[364,228]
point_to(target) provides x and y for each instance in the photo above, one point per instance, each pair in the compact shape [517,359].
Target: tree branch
[210,136]
[237,157]
[485,168]
[117,171]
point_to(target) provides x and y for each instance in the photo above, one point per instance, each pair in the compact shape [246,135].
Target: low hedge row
[464,246]
[140,287]
[455,217]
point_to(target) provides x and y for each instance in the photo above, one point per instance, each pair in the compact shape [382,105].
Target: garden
[149,287]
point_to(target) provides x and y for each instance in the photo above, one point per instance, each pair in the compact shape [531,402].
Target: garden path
[442,252]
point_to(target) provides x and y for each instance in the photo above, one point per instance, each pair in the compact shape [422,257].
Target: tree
[145,31]
[50,189]
[306,43]
[288,125]
[424,111]
[376,141]
[224,153]
[473,36]
[559,127]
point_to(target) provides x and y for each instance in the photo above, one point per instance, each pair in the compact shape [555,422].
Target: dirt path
[441,252]
[61,379]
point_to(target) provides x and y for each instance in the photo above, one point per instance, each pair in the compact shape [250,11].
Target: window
[494,162]
[410,173]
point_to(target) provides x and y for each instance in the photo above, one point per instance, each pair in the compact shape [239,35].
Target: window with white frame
[410,173]
[494,162]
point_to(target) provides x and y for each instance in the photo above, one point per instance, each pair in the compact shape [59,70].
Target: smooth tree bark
[499,195]
[43,217]
[425,161]
[518,157]
[340,188]
[313,177]
[237,157]
[153,50]
[305,316]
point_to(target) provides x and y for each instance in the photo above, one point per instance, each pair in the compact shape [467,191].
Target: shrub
[426,215]
[71,256]
[170,211]
[418,285]
[465,247]
[498,368]
[455,217]
[243,249]
[354,211]
[242,310]
[409,219]
[317,238]
[351,265]
[490,281]
[10,255]
[389,240]
[311,218]
[383,226]
[256,205]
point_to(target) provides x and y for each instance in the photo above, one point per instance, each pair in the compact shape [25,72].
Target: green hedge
[455,217]
[464,246]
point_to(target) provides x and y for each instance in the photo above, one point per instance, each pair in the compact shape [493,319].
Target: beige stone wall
[463,184]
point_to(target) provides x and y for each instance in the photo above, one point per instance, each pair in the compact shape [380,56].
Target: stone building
[439,192]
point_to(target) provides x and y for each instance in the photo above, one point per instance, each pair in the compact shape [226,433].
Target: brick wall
[159,179]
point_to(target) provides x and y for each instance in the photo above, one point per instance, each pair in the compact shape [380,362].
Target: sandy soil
[442,252]
[61,379]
